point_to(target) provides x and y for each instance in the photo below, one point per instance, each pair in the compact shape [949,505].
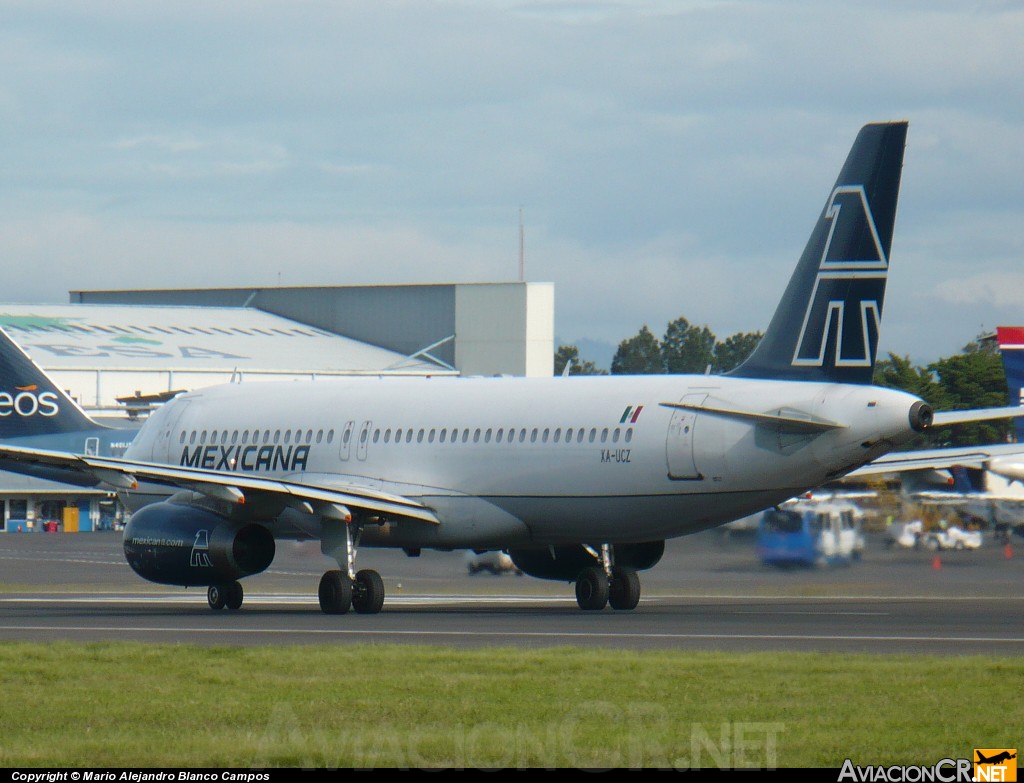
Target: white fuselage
[506,461]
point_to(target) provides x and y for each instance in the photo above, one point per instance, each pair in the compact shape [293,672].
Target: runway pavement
[707,593]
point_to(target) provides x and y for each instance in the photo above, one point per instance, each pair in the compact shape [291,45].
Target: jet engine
[180,544]
[564,563]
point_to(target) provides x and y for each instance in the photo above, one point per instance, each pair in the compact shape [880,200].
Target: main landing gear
[346,589]
[606,584]
[221,596]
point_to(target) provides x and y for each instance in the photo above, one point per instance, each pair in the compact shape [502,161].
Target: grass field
[144,705]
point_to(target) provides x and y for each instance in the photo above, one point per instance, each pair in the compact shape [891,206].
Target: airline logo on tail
[27,402]
[840,326]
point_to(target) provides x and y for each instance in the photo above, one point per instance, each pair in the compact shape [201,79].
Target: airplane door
[346,440]
[364,438]
[162,449]
[679,443]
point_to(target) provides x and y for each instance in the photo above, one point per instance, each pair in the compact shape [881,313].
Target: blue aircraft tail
[30,403]
[1011,347]
[826,326]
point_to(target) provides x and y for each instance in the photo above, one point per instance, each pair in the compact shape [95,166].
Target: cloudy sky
[669,158]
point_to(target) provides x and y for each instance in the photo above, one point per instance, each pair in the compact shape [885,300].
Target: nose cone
[921,416]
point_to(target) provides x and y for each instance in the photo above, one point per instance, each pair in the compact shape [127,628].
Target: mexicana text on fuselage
[249,458]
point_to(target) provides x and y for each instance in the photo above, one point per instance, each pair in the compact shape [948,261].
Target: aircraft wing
[236,488]
[937,459]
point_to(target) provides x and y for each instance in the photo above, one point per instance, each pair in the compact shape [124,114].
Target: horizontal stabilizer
[785,420]
[945,418]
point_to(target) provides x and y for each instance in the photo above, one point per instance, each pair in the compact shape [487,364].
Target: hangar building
[116,351]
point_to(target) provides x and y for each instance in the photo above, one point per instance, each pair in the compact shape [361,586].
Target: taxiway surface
[707,593]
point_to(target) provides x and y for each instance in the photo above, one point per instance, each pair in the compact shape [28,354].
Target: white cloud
[670,157]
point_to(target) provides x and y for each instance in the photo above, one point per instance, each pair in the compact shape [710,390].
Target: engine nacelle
[564,563]
[179,544]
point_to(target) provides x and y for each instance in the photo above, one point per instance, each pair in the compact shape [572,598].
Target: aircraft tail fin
[827,324]
[1011,347]
[31,403]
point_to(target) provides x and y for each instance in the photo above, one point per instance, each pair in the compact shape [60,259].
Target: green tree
[639,355]
[897,372]
[734,350]
[570,353]
[974,379]
[686,348]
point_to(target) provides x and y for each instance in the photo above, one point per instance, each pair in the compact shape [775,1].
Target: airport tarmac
[709,592]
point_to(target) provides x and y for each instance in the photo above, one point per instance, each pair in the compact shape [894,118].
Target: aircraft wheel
[368,592]
[335,593]
[233,596]
[216,597]
[624,590]
[592,589]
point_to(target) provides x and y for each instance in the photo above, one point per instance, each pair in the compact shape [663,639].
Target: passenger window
[604,435]
[568,435]
[430,437]
[487,435]
[330,436]
[579,435]
[500,435]
[419,436]
[558,434]
[522,436]
[319,436]
[376,436]
[277,436]
[465,436]
[387,435]
[287,436]
[547,432]
[476,435]
[533,435]
[443,436]
[181,438]
[192,437]
[408,435]
[615,435]
[593,434]
[629,435]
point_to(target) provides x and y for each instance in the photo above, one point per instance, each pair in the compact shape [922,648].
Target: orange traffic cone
[936,563]
[1008,552]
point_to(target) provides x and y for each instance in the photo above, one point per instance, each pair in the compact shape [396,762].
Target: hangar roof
[182,339]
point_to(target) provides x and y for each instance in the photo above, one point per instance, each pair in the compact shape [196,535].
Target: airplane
[580,479]
[999,758]
[36,413]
